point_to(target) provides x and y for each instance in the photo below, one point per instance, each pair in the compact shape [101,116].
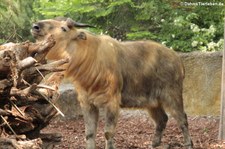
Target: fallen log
[25,144]
[27,96]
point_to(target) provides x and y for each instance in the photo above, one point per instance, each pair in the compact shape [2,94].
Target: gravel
[135,131]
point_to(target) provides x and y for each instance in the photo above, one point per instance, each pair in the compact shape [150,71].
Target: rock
[68,102]
[202,83]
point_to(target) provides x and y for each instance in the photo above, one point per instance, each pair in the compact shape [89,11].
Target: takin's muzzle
[36,30]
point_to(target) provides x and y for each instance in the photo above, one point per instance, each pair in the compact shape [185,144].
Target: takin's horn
[76,24]
[71,23]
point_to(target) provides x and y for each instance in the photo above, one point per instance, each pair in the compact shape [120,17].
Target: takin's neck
[89,74]
[93,65]
[85,68]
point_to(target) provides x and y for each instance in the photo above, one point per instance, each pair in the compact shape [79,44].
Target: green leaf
[140,35]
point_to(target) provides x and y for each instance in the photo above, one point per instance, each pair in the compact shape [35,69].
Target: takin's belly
[137,102]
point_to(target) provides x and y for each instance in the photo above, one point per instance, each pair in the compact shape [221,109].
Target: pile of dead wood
[27,96]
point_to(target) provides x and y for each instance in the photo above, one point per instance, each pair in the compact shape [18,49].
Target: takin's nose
[36,27]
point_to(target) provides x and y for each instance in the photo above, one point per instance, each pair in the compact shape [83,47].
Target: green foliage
[14,20]
[195,30]
[141,35]
[181,27]
[176,24]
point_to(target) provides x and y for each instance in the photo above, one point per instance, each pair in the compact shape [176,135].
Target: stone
[202,83]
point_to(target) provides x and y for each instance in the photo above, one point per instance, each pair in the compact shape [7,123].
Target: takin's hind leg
[175,108]
[111,117]
[91,114]
[160,118]
[180,116]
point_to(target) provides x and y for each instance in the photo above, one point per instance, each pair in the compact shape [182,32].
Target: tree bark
[221,135]
[26,104]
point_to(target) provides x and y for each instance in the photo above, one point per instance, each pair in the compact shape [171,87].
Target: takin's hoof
[189,146]
[167,146]
[109,145]
[156,143]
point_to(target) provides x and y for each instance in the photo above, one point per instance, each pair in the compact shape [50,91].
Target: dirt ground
[135,131]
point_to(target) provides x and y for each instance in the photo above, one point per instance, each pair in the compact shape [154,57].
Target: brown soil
[136,131]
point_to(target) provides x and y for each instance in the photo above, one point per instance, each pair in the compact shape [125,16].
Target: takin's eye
[63,29]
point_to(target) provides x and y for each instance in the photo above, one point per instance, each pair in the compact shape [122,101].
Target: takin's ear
[81,35]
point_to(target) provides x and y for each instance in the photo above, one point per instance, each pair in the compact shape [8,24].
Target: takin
[111,75]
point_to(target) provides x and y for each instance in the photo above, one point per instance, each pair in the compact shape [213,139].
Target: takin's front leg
[91,114]
[111,117]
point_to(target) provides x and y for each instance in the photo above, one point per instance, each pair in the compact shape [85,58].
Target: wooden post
[222,110]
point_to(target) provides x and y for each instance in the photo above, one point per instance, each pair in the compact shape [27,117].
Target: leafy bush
[183,28]
[15,20]
[178,26]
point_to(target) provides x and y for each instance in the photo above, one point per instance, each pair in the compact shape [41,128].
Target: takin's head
[63,30]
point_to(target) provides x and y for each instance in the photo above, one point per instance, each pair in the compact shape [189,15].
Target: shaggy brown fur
[112,74]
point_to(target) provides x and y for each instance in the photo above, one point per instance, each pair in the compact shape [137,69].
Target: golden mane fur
[93,66]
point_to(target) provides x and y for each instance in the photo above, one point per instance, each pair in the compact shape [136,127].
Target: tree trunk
[222,109]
